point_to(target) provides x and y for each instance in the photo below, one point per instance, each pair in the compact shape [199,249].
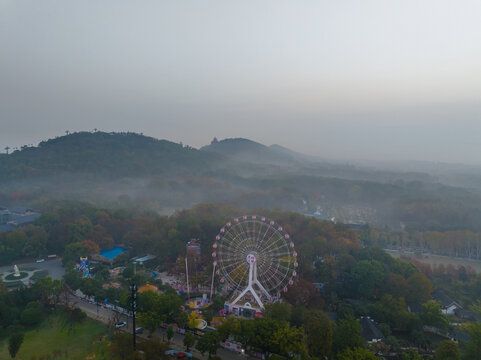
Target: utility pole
[133,289]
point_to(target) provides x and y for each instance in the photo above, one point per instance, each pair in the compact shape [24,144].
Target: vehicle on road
[40,260]
[120,324]
[139,330]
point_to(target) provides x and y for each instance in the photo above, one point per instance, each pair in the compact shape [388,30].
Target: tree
[411,354]
[278,311]
[303,293]
[433,316]
[447,350]
[47,290]
[420,288]
[356,353]
[32,315]
[367,277]
[189,340]
[209,343]
[121,348]
[149,320]
[471,349]
[393,312]
[153,349]
[170,333]
[347,334]
[319,334]
[14,344]
[193,319]
[288,340]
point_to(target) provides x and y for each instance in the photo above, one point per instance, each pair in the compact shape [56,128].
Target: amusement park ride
[84,267]
[255,260]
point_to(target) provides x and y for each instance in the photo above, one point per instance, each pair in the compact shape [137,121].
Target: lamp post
[133,299]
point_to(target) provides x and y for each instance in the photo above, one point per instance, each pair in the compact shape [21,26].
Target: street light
[133,299]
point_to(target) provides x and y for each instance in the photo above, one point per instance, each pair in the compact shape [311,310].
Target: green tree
[278,311]
[447,350]
[189,340]
[209,343]
[121,348]
[318,330]
[356,353]
[153,349]
[471,349]
[32,315]
[47,289]
[433,316]
[393,312]
[14,344]
[170,333]
[73,252]
[149,320]
[411,354]
[347,334]
[288,340]
[367,277]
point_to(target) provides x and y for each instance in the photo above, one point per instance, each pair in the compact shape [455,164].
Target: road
[106,316]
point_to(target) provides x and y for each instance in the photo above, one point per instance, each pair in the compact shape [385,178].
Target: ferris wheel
[253,254]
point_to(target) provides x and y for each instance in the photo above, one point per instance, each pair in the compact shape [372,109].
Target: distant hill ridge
[112,154]
[248,150]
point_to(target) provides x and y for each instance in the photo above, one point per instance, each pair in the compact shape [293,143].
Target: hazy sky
[340,79]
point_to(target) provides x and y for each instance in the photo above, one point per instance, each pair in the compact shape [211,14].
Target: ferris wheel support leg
[255,281]
[249,288]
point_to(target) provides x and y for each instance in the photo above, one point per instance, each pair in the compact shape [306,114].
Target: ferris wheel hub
[251,258]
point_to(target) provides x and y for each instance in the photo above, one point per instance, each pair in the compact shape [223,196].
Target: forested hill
[254,152]
[109,154]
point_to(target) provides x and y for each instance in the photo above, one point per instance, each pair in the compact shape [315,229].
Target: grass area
[54,340]
[13,277]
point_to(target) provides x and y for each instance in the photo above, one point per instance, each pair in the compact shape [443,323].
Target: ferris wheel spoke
[275,277]
[269,242]
[264,236]
[232,265]
[272,280]
[273,243]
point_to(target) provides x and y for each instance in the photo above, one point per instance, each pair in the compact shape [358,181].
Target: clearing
[55,338]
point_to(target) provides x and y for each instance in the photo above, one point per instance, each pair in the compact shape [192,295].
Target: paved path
[105,315]
[54,267]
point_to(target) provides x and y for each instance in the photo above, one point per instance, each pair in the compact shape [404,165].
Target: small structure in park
[256,261]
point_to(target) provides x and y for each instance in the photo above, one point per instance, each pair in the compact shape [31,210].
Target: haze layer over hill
[127,169]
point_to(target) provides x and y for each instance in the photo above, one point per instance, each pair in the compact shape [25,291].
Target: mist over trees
[120,170]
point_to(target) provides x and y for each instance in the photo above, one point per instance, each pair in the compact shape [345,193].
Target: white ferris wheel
[254,256]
